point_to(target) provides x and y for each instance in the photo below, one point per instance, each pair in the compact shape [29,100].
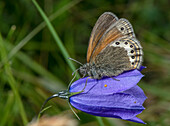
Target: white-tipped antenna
[75,61]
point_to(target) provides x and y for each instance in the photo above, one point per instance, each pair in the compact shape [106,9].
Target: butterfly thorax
[91,69]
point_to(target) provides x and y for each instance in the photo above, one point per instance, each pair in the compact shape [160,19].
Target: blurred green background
[32,66]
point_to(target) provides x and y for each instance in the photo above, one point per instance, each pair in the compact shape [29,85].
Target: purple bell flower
[120,98]
[110,98]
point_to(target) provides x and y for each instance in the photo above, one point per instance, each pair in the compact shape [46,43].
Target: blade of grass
[7,109]
[11,31]
[60,44]
[40,27]
[37,81]
[12,82]
[37,68]
[100,121]
[55,35]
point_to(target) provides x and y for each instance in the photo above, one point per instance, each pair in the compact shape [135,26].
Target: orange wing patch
[121,28]
[110,36]
[102,24]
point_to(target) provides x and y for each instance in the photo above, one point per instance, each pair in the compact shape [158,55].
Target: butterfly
[113,48]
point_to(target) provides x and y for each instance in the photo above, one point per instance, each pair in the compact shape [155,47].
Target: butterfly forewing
[120,29]
[125,27]
[102,24]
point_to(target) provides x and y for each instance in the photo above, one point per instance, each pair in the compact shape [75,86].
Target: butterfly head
[84,69]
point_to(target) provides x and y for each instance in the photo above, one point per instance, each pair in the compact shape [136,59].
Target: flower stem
[100,121]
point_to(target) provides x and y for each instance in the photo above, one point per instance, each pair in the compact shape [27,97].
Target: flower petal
[141,68]
[107,85]
[138,93]
[110,98]
[119,105]
[137,120]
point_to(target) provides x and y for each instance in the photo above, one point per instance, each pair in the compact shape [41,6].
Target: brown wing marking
[113,61]
[122,28]
[102,24]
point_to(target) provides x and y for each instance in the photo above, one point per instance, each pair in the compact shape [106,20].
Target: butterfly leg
[83,76]
[113,78]
[85,85]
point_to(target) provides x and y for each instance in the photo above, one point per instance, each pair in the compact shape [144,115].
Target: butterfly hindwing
[118,57]
[112,61]
[133,48]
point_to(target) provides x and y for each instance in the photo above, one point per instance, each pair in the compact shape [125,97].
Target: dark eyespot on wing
[125,27]
[120,29]
[135,52]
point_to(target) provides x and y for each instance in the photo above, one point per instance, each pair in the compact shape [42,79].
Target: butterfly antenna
[73,111]
[75,61]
